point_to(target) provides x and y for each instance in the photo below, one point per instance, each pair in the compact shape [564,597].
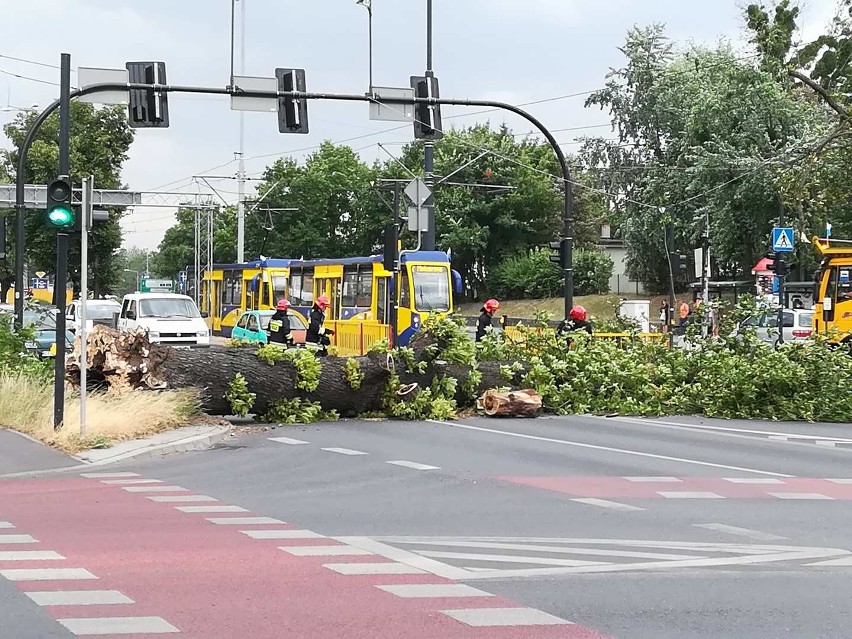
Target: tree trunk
[129,360]
[522,403]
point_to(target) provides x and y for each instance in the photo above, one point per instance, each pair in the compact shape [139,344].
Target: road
[558,527]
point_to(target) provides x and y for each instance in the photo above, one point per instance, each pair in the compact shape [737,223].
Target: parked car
[97,312]
[797,325]
[43,324]
[170,319]
[252,327]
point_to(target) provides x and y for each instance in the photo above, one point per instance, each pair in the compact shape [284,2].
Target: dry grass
[27,406]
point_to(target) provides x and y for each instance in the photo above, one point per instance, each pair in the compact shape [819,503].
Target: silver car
[797,325]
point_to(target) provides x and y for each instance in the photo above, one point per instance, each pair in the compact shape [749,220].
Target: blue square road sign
[782,240]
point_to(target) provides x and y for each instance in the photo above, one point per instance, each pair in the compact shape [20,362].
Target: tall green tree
[177,249]
[100,142]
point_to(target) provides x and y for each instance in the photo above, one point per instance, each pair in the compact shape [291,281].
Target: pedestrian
[665,316]
[684,311]
[798,304]
[577,320]
[485,318]
[279,325]
[317,334]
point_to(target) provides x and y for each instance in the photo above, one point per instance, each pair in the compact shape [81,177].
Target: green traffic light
[61,216]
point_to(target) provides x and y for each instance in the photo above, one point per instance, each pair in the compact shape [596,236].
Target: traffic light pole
[60,285]
[568,215]
[429,148]
[780,273]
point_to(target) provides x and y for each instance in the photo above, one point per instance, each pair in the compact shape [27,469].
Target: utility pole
[241,169]
[781,274]
[60,285]
[429,147]
[86,210]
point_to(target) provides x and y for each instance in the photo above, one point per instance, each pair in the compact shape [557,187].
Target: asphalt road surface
[558,527]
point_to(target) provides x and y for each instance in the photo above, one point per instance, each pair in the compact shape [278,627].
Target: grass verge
[26,405]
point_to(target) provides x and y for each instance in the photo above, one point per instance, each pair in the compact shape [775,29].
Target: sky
[516,51]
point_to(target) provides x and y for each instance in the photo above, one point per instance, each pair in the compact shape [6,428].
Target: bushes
[534,276]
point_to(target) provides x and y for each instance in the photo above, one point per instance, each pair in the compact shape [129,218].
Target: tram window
[308,287]
[350,286]
[237,290]
[404,293]
[296,287]
[279,287]
[382,302]
[365,287]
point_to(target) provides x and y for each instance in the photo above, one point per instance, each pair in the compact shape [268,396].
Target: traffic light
[60,212]
[779,265]
[561,252]
[427,117]
[680,266]
[148,108]
[391,247]
[292,112]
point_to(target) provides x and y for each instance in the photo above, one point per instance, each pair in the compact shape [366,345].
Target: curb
[196,442]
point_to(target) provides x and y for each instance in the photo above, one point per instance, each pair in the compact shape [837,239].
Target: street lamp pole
[368,4]
[429,147]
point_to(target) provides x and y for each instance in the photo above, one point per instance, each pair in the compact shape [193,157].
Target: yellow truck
[833,290]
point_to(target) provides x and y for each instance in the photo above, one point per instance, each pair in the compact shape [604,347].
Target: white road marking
[742,532]
[29,555]
[344,451]
[17,539]
[155,489]
[283,534]
[5,524]
[687,494]
[828,444]
[79,597]
[428,591]
[840,481]
[414,465]
[372,568]
[570,550]
[843,561]
[753,480]
[605,448]
[211,509]
[603,503]
[119,626]
[287,440]
[800,496]
[512,559]
[779,438]
[243,521]
[655,480]
[46,574]
[176,499]
[108,475]
[502,617]
[420,563]
[325,551]
[130,482]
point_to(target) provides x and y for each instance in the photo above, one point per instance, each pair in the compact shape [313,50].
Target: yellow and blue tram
[360,290]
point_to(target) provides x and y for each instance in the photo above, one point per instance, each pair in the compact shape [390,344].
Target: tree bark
[129,360]
[522,403]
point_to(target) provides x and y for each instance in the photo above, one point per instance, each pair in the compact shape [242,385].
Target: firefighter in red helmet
[279,324]
[486,315]
[577,320]
[317,333]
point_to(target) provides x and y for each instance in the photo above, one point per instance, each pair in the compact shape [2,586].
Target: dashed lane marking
[79,597]
[243,521]
[753,480]
[437,591]
[414,465]
[118,626]
[497,617]
[46,574]
[742,532]
[129,482]
[5,524]
[177,499]
[211,509]
[155,489]
[17,539]
[324,551]
[372,568]
[801,496]
[288,441]
[603,503]
[108,475]
[688,494]
[840,481]
[283,534]
[29,555]
[655,480]
[344,451]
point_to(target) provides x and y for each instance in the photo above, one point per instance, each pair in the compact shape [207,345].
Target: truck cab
[169,319]
[833,290]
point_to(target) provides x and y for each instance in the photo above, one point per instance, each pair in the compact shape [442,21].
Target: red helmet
[322,302]
[492,306]
[282,305]
[578,313]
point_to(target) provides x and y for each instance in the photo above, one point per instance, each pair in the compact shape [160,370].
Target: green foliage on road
[354,376]
[308,367]
[298,411]
[239,397]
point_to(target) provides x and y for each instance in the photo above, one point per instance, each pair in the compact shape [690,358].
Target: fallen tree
[345,386]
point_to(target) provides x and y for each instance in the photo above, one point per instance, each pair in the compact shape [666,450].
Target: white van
[170,319]
[97,312]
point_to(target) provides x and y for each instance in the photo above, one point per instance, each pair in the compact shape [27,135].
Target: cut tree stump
[521,403]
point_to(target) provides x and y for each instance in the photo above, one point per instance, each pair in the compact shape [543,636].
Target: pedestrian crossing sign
[782,240]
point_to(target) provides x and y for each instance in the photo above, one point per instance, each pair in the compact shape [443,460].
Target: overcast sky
[512,50]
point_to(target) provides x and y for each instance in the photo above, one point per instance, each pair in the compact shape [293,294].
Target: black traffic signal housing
[680,265]
[148,108]
[779,265]
[391,247]
[427,117]
[60,214]
[561,254]
[292,112]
